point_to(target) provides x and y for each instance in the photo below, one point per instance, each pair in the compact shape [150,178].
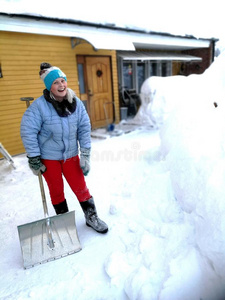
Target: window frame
[147,70]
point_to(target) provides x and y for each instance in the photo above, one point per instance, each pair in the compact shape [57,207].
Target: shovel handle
[48,222]
[43,195]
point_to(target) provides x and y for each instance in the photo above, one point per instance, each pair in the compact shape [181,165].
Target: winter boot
[61,208]
[92,219]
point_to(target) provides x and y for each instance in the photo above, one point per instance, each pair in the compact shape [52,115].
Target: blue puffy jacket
[45,133]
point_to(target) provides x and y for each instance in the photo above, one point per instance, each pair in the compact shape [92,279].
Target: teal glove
[36,165]
[85,160]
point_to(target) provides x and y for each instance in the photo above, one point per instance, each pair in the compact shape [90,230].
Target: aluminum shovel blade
[48,239]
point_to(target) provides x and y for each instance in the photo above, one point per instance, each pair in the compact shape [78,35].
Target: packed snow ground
[161,191]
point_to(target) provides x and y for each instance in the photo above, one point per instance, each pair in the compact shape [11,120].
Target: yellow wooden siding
[115,87]
[20,58]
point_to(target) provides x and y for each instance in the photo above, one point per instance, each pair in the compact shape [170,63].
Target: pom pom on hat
[49,75]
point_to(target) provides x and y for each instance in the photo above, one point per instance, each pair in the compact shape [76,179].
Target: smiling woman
[55,129]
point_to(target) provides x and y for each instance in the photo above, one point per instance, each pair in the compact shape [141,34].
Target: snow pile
[190,114]
[193,144]
[159,96]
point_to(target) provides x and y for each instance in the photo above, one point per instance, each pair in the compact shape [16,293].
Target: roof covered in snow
[100,36]
[168,17]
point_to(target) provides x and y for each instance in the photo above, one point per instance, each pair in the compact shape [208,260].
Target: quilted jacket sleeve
[30,126]
[84,128]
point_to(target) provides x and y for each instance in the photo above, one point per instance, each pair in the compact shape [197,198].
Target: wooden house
[97,59]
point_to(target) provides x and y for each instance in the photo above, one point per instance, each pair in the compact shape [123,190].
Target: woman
[52,129]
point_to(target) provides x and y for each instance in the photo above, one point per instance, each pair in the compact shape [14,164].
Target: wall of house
[198,67]
[20,58]
[176,68]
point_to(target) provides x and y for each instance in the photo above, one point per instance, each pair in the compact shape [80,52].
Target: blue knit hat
[50,75]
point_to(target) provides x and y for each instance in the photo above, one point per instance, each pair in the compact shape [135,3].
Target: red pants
[73,175]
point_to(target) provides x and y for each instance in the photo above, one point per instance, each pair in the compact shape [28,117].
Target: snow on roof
[158,16]
[99,37]
[142,56]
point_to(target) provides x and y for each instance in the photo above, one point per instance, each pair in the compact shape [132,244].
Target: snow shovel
[49,238]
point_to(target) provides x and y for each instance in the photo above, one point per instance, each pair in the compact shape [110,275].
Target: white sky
[194,17]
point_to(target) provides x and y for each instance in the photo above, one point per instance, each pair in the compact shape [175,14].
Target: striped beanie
[49,75]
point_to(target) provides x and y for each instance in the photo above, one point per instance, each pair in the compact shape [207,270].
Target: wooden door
[99,85]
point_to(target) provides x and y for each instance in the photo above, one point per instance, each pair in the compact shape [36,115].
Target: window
[81,78]
[164,69]
[128,75]
[133,73]
[140,74]
[153,69]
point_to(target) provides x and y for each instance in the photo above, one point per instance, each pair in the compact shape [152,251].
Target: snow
[204,19]
[161,190]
